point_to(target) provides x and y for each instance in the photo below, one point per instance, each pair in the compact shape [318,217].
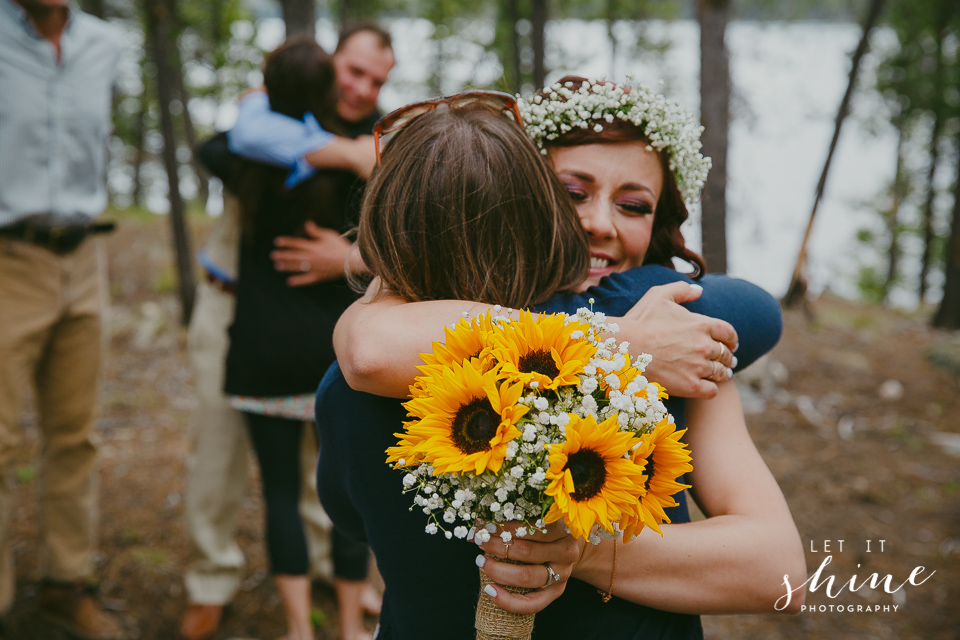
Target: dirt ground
[855,420]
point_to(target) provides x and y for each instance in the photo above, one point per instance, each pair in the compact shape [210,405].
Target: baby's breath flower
[669,127]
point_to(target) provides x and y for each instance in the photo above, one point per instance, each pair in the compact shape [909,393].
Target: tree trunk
[715,117]
[798,285]
[435,82]
[928,232]
[948,314]
[139,155]
[159,19]
[892,218]
[611,19]
[538,23]
[299,16]
[203,180]
[514,11]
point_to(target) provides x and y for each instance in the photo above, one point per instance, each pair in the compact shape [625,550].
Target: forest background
[856,410]
[189,60]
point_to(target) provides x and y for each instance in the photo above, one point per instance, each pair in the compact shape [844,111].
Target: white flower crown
[667,125]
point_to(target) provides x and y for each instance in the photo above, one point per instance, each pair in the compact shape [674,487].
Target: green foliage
[216,54]
[920,82]
[833,10]
[872,285]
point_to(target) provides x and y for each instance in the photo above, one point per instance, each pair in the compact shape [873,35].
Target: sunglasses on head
[389,124]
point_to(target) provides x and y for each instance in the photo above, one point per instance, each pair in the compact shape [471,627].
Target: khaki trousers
[217,465]
[51,337]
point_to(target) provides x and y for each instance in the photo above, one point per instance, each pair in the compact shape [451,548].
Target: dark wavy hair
[666,240]
[464,207]
[299,78]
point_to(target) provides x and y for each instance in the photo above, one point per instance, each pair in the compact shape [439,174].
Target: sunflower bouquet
[535,420]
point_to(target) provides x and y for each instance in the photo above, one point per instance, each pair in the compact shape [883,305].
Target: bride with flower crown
[628,161]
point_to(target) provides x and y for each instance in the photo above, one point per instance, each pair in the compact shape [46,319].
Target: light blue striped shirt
[54,117]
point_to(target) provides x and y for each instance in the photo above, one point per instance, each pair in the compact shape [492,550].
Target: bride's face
[615,188]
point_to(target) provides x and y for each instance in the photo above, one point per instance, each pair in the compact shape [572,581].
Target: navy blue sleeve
[753,312]
[331,477]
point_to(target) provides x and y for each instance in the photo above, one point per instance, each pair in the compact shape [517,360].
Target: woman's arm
[732,562]
[378,341]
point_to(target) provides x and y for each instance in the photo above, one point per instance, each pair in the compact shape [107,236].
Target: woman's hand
[691,352]
[319,258]
[555,548]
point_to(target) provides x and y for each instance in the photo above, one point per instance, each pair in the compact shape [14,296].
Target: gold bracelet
[606,595]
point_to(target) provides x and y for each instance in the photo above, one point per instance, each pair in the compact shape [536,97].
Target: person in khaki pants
[217,465]
[57,67]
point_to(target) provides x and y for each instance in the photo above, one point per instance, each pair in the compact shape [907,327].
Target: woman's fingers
[528,576]
[546,589]
[723,332]
[565,550]
[532,602]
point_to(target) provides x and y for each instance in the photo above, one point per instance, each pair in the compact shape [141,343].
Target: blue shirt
[263,135]
[423,573]
[54,116]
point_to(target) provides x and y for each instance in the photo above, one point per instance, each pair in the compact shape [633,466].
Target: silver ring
[713,375]
[552,576]
[305,266]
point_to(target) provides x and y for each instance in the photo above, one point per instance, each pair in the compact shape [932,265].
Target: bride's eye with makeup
[577,193]
[636,207]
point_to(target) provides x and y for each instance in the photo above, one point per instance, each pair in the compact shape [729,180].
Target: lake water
[788,80]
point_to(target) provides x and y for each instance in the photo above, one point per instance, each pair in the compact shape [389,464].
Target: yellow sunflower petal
[590,480]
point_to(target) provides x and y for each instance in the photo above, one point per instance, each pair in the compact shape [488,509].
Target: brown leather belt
[57,233]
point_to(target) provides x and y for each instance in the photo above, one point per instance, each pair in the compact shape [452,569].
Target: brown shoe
[200,621]
[73,608]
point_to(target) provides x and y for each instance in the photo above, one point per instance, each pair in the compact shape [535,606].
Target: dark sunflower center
[649,471]
[539,361]
[473,426]
[588,472]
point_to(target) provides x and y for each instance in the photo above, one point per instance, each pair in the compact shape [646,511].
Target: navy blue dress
[432,583]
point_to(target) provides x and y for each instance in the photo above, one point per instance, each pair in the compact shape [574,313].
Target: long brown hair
[299,78]
[666,240]
[463,207]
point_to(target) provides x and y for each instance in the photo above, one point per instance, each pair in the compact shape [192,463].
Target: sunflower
[663,459]
[590,480]
[465,419]
[405,448]
[543,351]
[470,338]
